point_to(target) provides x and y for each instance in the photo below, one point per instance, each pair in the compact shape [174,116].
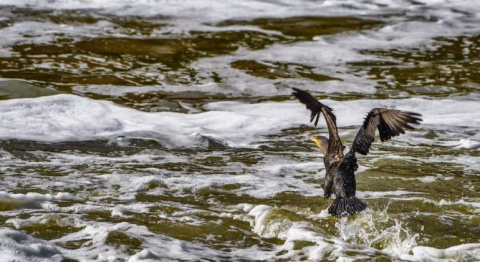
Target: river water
[165,130]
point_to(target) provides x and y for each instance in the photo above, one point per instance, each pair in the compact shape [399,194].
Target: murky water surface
[165,130]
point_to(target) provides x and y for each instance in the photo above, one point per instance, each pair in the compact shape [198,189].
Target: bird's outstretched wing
[390,123]
[313,105]
[317,109]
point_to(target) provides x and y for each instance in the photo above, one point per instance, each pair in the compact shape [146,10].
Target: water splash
[378,230]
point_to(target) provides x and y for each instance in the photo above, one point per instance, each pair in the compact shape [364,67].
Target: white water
[63,118]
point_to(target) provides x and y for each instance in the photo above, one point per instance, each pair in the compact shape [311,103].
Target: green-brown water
[201,155]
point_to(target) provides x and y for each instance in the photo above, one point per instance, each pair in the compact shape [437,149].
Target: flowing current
[165,130]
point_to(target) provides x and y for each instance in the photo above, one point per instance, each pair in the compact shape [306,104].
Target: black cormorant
[340,168]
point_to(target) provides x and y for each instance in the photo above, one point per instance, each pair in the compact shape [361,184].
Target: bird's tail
[343,207]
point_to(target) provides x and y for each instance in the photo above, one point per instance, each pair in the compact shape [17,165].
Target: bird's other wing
[316,109]
[313,105]
[390,123]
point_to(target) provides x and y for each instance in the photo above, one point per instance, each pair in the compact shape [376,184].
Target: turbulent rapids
[166,130]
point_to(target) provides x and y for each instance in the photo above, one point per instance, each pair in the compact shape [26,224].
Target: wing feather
[313,105]
[317,109]
[389,122]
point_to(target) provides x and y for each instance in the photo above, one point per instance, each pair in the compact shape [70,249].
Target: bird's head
[321,142]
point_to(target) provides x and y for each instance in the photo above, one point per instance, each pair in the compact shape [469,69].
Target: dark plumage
[340,167]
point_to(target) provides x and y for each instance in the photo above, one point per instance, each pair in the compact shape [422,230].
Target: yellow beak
[316,140]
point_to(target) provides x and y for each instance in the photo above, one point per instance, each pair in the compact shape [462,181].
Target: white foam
[256,184]
[33,199]
[285,168]
[206,10]
[260,212]
[158,246]
[326,246]
[471,164]
[218,9]
[322,215]
[378,194]
[428,179]
[357,236]
[73,118]
[17,246]
[465,252]
[442,112]
[470,203]
[468,144]
[155,246]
